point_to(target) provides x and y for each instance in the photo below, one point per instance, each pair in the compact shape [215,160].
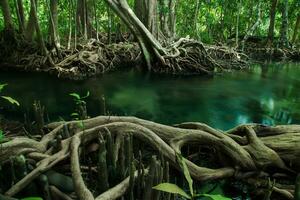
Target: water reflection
[265,94]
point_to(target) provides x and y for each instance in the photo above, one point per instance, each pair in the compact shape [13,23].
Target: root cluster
[267,158]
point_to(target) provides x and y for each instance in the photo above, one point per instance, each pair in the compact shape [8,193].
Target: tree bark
[196,16]
[53,24]
[20,15]
[30,28]
[71,7]
[109,25]
[296,30]
[8,23]
[237,24]
[38,30]
[284,41]
[150,47]
[172,18]
[272,20]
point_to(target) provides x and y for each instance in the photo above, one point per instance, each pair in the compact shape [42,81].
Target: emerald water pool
[267,94]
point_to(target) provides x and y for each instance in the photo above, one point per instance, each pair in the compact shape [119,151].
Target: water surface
[265,94]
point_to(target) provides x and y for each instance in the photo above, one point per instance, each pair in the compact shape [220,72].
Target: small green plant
[1,135]
[11,101]
[81,112]
[175,189]
[7,98]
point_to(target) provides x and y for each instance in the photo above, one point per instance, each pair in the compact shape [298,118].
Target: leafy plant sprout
[81,111]
[175,189]
[11,101]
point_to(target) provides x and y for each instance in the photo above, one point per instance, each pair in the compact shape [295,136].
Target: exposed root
[186,56]
[250,154]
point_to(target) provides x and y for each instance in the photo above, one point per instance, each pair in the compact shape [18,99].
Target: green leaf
[171,188]
[74,114]
[87,95]
[77,96]
[1,135]
[32,198]
[2,86]
[186,172]
[80,124]
[214,196]
[11,100]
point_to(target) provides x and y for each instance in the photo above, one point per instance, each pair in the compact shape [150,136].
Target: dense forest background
[210,20]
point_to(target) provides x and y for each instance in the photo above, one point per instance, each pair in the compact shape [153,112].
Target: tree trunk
[8,23]
[184,56]
[79,16]
[237,24]
[172,18]
[296,30]
[30,28]
[146,11]
[272,20]
[53,24]
[140,10]
[255,25]
[284,41]
[20,15]
[96,19]
[38,30]
[109,25]
[150,47]
[164,18]
[196,16]
[84,19]
[71,7]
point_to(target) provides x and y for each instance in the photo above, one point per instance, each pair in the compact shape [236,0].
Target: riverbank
[93,57]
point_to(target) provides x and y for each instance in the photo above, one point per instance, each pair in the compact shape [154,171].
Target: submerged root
[249,153]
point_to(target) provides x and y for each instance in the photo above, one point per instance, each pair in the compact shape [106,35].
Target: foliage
[9,99]
[174,189]
[80,112]
[79,99]
[1,135]
[32,198]
[215,19]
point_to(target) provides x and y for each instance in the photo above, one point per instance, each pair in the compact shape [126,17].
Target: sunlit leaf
[186,173]
[77,96]
[74,114]
[11,100]
[87,95]
[2,86]
[1,135]
[32,198]
[214,196]
[171,188]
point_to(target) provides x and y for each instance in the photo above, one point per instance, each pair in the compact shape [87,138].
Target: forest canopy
[210,20]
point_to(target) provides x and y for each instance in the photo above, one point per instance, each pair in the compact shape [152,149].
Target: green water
[265,94]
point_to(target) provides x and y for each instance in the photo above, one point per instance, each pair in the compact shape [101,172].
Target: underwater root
[142,153]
